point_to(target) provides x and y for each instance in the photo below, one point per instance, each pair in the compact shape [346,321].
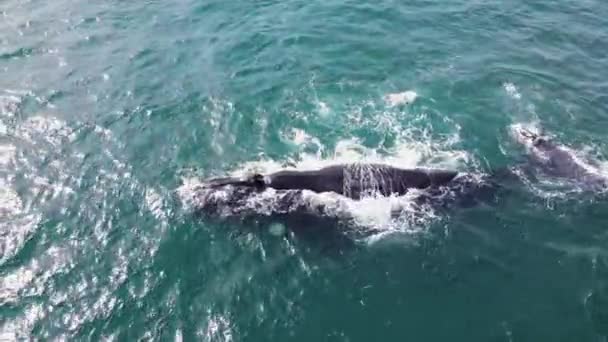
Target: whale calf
[559,161]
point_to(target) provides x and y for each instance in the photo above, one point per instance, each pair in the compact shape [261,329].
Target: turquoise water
[108,109]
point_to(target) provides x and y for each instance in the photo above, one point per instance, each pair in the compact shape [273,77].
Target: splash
[511,90]
[403,98]
[406,154]
[323,108]
[531,127]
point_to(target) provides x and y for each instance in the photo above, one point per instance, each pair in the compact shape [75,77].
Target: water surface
[107,108]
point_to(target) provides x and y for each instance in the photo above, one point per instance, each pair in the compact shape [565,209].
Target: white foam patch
[382,214]
[12,283]
[403,155]
[323,108]
[301,137]
[34,275]
[17,224]
[216,111]
[511,90]
[21,328]
[155,204]
[104,132]
[403,98]
[7,155]
[10,203]
[219,328]
[304,141]
[9,104]
[603,167]
[584,160]
[52,129]
[531,127]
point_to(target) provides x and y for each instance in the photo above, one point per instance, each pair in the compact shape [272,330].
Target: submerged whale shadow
[329,235]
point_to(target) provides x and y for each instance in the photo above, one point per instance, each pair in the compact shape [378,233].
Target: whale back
[357,180]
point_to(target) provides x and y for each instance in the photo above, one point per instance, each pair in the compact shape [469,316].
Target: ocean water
[110,110]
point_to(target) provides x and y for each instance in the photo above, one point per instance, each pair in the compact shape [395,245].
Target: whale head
[534,140]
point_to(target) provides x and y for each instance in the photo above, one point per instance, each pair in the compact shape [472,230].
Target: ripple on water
[41,172]
[89,245]
[18,222]
[218,329]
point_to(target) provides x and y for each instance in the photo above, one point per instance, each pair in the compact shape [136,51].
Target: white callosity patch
[518,132]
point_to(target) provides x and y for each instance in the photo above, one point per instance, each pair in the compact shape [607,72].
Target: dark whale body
[356,180]
[289,192]
[349,180]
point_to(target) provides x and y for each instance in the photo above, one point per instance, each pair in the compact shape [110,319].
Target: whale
[349,180]
[322,192]
[559,161]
